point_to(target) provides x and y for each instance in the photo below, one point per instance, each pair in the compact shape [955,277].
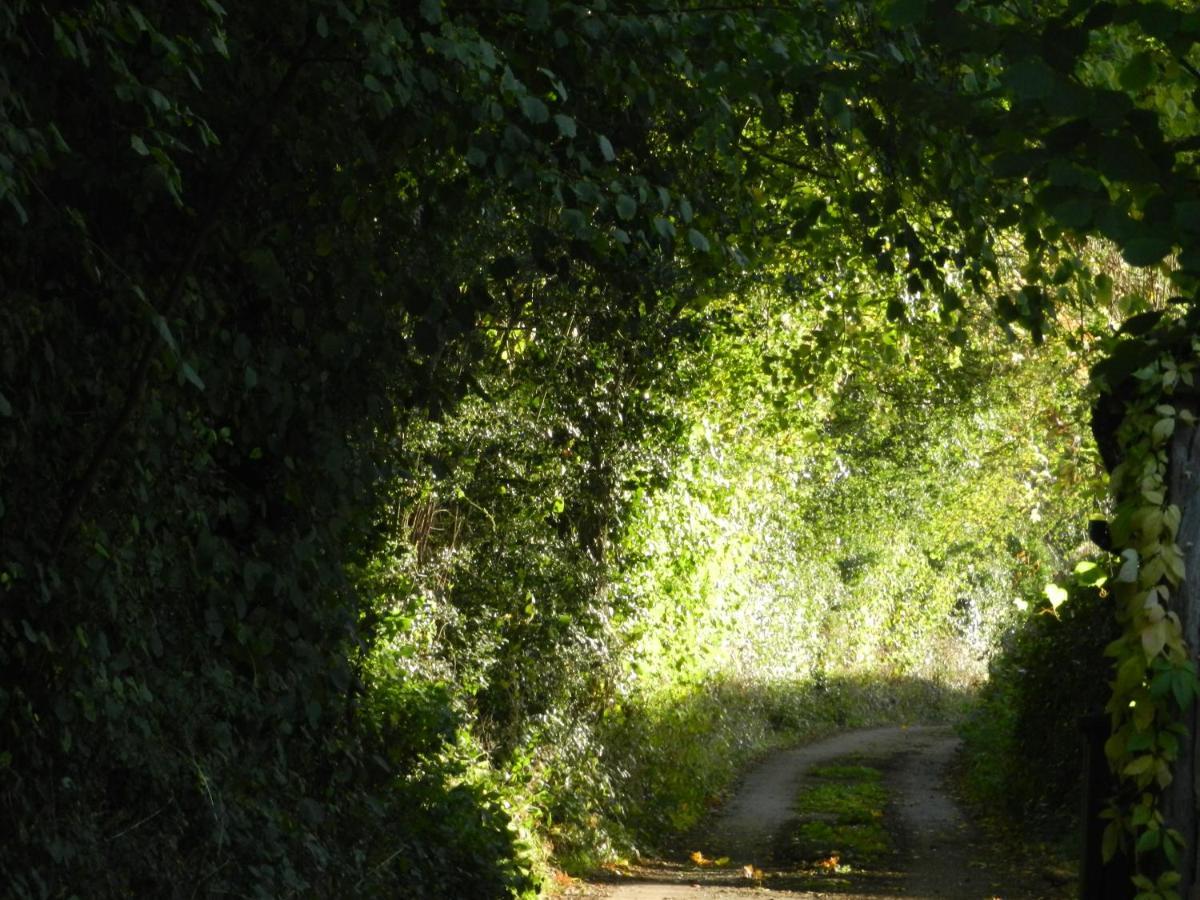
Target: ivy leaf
[626,207]
[1111,840]
[566,125]
[1139,741]
[606,148]
[5,407]
[1150,839]
[535,110]
[1129,675]
[190,374]
[1154,638]
[1183,687]
[1162,430]
[1171,852]
[431,11]
[138,145]
[698,240]
[164,331]
[574,219]
[1140,765]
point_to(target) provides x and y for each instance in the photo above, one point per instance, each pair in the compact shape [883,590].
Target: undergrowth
[1024,748]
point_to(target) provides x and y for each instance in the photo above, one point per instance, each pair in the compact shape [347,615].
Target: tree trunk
[1182,797]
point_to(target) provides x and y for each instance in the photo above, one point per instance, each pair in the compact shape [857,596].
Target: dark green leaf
[431,11]
[1149,840]
[606,148]
[1030,79]
[1139,72]
[901,13]
[534,109]
[566,125]
[1145,251]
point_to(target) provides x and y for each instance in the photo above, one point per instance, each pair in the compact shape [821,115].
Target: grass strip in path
[839,836]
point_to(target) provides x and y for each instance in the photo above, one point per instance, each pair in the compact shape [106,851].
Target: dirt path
[938,853]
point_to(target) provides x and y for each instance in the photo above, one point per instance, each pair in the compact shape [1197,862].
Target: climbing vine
[1155,683]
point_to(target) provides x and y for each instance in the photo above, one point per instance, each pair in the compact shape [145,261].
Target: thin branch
[790,163]
[138,824]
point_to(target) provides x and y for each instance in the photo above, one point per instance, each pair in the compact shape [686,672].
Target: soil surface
[938,853]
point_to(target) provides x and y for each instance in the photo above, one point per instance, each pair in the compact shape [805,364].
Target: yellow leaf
[1143,716]
[1174,562]
[1112,840]
[1148,520]
[1154,635]
[1140,766]
[1055,594]
[1162,430]
[1152,609]
[1153,571]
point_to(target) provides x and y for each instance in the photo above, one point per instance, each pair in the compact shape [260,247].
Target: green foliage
[1155,685]
[370,378]
[1031,707]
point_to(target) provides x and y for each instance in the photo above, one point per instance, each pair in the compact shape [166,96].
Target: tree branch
[783,161]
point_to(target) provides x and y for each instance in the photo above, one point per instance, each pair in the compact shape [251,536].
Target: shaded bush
[1024,747]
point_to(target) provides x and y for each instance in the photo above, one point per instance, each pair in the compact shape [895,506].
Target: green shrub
[1025,750]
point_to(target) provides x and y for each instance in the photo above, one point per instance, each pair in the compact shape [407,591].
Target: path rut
[938,856]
